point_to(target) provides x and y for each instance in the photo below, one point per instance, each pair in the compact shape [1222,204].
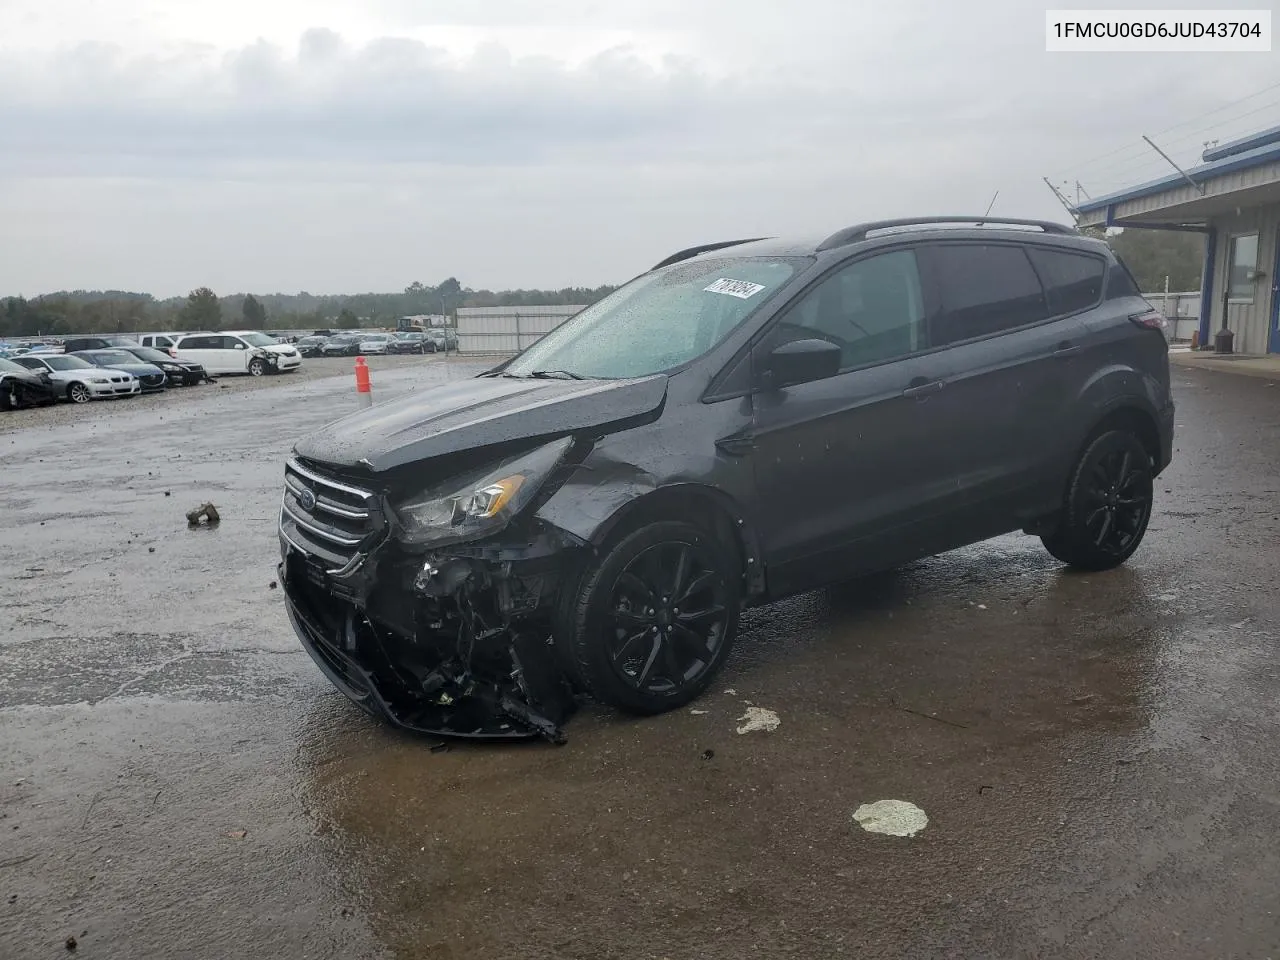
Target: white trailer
[507,330]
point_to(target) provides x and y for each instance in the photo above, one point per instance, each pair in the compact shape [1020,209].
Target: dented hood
[480,412]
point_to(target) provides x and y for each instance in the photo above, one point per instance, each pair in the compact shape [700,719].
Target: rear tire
[654,617]
[1108,504]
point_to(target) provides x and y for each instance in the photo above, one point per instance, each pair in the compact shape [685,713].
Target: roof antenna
[991,204]
[1199,186]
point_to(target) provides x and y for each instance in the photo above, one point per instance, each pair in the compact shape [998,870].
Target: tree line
[119,311]
[1151,255]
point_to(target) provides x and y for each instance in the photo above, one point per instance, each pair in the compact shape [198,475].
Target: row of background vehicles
[81,369]
[351,343]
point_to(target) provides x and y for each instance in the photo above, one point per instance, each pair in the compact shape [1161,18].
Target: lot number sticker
[742,289]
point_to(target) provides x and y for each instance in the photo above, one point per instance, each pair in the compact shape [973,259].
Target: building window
[1242,264]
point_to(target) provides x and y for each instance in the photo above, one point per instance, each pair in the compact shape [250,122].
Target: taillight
[1152,320]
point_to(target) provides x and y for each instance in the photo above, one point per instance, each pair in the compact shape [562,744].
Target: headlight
[99,380]
[481,502]
[170,368]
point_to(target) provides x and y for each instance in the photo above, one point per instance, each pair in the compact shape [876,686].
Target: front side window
[660,320]
[985,289]
[872,309]
[1072,281]
[1242,264]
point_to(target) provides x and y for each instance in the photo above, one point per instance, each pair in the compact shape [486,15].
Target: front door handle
[1066,349]
[922,388]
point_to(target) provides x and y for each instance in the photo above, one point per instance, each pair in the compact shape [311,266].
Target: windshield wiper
[556,375]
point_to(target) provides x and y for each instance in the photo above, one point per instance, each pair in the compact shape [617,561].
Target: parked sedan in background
[151,379]
[374,343]
[20,387]
[342,345]
[441,340]
[409,343]
[181,373]
[311,346]
[80,381]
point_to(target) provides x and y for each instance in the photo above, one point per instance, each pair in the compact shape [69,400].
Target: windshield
[67,363]
[151,356]
[113,356]
[658,321]
[259,340]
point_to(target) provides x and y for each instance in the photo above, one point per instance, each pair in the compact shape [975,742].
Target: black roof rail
[703,248]
[859,231]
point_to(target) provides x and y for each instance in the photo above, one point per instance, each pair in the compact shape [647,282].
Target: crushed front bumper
[438,658]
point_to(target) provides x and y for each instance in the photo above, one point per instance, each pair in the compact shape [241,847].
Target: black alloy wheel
[1108,504]
[655,619]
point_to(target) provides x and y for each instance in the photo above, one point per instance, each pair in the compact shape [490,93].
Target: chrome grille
[327,518]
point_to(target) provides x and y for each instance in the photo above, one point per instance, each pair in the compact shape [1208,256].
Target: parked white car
[80,381]
[374,343]
[238,351]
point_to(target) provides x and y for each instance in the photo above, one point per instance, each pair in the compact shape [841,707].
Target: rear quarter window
[1072,281]
[1120,282]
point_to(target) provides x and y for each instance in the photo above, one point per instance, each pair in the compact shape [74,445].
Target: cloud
[443,137]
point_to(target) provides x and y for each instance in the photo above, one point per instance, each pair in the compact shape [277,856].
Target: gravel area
[312,369]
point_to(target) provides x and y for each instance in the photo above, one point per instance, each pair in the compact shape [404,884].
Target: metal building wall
[508,329]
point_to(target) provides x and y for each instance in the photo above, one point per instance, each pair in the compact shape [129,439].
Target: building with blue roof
[1233,197]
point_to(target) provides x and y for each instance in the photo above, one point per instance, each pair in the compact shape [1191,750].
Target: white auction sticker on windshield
[742,289]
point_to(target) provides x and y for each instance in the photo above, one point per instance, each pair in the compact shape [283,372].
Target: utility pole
[1066,204]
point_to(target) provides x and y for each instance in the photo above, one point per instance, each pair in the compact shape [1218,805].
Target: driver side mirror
[802,361]
[241,346]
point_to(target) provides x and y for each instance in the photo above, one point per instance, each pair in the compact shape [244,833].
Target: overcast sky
[341,146]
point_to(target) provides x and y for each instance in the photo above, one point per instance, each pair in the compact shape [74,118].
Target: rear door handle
[1066,349]
[923,388]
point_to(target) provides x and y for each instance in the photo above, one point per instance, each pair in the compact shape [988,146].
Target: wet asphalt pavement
[1098,755]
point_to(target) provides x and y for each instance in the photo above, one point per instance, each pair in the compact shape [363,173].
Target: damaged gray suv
[743,422]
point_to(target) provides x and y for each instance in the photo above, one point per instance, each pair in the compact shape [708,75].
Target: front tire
[257,368]
[655,617]
[79,393]
[1108,504]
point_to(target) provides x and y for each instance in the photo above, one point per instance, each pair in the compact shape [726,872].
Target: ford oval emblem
[307,500]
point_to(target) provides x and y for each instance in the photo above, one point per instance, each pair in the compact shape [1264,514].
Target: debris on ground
[206,512]
[759,719]
[237,834]
[894,818]
[698,713]
[272,585]
[441,747]
[167,493]
[731,692]
[708,754]
[72,943]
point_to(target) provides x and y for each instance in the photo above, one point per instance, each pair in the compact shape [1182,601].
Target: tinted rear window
[1072,281]
[1120,282]
[985,289]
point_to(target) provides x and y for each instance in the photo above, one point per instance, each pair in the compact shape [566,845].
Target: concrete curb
[1266,368]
